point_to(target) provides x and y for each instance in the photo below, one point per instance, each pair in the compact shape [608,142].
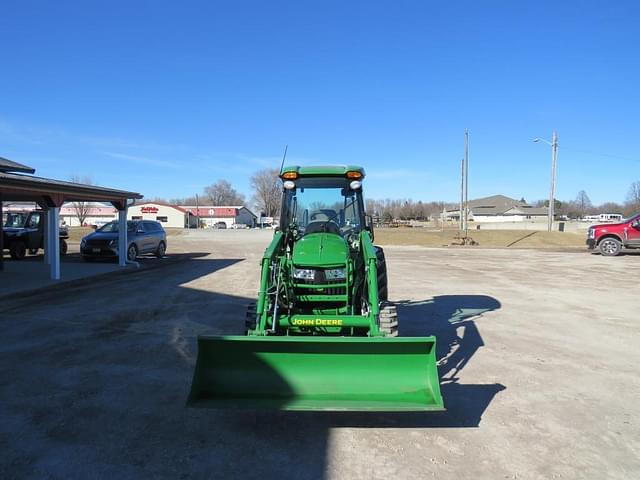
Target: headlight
[304,273]
[83,242]
[592,233]
[335,274]
[113,243]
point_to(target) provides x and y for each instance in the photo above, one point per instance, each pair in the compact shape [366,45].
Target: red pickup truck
[610,238]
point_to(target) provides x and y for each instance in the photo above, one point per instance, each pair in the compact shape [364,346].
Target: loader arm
[371,280]
[271,255]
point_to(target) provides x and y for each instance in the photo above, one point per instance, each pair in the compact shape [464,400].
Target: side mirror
[636,224]
[368,224]
[95,227]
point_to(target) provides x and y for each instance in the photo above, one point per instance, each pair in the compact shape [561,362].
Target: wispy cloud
[142,160]
[393,173]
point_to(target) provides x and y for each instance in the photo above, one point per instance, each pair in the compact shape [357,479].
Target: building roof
[211,211]
[502,205]
[218,211]
[7,165]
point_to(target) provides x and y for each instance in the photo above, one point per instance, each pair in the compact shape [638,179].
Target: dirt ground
[538,360]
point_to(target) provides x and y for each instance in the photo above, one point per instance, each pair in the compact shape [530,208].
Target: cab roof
[323,171]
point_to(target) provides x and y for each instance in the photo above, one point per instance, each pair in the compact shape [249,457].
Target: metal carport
[17,185]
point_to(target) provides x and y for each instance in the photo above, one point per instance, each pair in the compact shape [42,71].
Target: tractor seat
[322,226]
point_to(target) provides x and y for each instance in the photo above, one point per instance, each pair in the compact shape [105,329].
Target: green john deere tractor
[322,334]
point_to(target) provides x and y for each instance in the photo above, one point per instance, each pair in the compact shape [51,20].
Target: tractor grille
[324,291]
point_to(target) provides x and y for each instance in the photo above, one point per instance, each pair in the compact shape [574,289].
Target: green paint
[317,373]
[320,250]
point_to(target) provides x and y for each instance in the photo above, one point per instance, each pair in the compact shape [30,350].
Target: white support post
[54,242]
[122,237]
[46,244]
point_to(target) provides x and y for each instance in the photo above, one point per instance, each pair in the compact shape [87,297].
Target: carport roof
[7,165]
[28,185]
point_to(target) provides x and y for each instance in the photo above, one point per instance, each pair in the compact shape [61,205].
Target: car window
[34,221]
[149,227]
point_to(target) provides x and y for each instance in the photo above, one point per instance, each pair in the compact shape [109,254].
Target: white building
[170,216]
[94,214]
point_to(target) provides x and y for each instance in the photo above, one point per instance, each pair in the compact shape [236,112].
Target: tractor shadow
[452,320]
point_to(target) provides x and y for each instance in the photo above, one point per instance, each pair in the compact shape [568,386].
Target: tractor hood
[320,250]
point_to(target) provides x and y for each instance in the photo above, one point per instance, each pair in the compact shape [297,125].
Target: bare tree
[583,202]
[223,194]
[267,188]
[81,208]
[633,197]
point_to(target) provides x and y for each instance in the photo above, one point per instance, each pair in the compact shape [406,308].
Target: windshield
[15,220]
[323,204]
[629,219]
[112,227]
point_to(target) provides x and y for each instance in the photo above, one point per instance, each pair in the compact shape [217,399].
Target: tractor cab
[323,203]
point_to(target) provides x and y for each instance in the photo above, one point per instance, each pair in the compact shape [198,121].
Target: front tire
[610,247]
[18,250]
[63,247]
[251,317]
[161,250]
[389,320]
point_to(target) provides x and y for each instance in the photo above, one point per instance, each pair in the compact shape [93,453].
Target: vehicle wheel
[18,250]
[63,247]
[132,252]
[162,248]
[33,251]
[251,317]
[389,320]
[383,290]
[610,247]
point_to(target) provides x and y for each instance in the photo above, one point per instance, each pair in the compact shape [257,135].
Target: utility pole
[552,189]
[461,193]
[466,182]
[197,213]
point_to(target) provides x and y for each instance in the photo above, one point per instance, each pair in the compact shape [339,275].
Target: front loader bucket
[316,373]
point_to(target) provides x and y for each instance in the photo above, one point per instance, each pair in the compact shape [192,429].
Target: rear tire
[610,247]
[63,247]
[389,320]
[383,290]
[162,249]
[18,250]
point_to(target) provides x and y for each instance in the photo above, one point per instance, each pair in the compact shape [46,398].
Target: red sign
[149,209]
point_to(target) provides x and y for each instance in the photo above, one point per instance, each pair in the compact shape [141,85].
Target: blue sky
[165,98]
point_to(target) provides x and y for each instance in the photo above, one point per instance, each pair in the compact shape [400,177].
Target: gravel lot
[539,360]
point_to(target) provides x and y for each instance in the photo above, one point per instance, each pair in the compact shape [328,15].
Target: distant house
[499,208]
